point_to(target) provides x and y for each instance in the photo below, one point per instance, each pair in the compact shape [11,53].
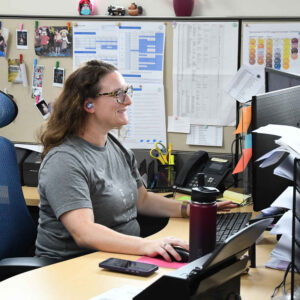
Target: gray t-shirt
[77,174]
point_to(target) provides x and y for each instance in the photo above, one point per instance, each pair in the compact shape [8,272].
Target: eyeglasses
[120,95]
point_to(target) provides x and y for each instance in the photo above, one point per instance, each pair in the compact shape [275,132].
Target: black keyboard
[161,190]
[230,223]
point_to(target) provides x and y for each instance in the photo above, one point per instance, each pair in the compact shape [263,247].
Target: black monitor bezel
[283,74]
[266,186]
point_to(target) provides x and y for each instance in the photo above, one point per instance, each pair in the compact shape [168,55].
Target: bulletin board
[26,127]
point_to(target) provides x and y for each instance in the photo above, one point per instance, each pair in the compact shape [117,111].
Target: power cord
[283,282]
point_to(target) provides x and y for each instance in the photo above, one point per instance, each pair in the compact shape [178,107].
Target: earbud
[89,105]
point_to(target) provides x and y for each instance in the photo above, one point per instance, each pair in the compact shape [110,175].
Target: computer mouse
[184,254]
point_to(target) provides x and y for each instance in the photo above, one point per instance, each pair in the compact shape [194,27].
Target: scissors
[159,152]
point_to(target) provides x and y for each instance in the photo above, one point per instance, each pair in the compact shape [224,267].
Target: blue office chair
[17,228]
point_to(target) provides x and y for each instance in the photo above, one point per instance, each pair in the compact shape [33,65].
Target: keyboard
[230,223]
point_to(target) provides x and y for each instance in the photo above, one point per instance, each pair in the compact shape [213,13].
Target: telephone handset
[215,170]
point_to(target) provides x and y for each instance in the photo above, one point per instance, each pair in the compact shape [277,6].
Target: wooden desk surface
[31,195]
[81,278]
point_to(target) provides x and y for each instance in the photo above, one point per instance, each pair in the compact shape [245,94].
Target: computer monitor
[277,80]
[281,107]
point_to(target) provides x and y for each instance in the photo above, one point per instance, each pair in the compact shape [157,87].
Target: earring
[89,105]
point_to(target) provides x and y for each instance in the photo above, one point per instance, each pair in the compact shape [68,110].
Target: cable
[282,283]
[285,276]
[277,288]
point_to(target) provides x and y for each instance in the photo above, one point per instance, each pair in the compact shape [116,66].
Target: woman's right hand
[164,247]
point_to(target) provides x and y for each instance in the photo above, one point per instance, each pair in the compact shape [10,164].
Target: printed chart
[274,45]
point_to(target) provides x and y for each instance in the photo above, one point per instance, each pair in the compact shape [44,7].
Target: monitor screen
[281,107]
[277,80]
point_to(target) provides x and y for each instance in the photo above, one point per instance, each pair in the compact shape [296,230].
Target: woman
[89,185]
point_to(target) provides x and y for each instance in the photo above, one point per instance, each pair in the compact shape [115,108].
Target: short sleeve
[63,182]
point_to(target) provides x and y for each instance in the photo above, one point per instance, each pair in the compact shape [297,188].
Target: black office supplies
[230,223]
[184,254]
[143,172]
[213,276]
[31,168]
[215,171]
[128,266]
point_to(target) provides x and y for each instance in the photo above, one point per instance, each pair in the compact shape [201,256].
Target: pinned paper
[14,71]
[178,124]
[58,76]
[21,39]
[37,80]
[245,120]
[243,162]
[23,71]
[3,41]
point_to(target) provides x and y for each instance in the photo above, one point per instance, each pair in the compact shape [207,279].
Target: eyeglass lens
[122,94]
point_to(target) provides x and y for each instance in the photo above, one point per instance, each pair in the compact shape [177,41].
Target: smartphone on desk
[128,266]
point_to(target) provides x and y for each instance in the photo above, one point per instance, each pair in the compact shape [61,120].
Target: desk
[81,278]
[31,195]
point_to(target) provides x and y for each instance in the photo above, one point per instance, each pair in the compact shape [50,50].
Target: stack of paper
[235,197]
[289,142]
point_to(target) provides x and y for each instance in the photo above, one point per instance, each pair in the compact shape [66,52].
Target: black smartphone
[128,266]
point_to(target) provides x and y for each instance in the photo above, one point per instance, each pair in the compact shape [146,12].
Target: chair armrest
[16,265]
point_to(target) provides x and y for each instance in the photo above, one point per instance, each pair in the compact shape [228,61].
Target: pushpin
[35,62]
[68,24]
[37,99]
[57,65]
[36,25]
[21,58]
[0,25]
[21,27]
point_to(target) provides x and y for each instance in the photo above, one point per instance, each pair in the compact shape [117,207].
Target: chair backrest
[17,228]
[8,109]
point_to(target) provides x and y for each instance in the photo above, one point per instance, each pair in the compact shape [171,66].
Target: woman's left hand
[225,205]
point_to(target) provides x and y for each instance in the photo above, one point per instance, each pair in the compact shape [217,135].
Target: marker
[169,153]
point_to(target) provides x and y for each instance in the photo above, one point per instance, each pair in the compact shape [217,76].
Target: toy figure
[85,7]
[116,10]
[134,10]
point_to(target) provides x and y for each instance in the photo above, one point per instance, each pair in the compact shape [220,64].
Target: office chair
[17,228]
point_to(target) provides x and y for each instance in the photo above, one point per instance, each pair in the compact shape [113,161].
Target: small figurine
[134,10]
[116,10]
[85,7]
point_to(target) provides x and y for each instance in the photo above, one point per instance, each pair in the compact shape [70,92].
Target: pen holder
[166,176]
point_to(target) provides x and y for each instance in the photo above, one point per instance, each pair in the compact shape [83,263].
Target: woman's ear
[88,106]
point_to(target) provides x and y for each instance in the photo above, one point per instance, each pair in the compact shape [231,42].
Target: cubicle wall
[26,127]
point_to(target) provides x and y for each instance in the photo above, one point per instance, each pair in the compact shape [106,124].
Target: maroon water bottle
[203,221]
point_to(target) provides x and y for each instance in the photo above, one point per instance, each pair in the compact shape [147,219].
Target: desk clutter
[29,164]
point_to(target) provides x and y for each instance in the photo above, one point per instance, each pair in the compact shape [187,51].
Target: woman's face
[108,113]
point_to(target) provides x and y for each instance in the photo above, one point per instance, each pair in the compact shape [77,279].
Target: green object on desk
[184,198]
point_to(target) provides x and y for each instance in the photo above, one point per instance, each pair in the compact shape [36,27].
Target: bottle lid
[204,194]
